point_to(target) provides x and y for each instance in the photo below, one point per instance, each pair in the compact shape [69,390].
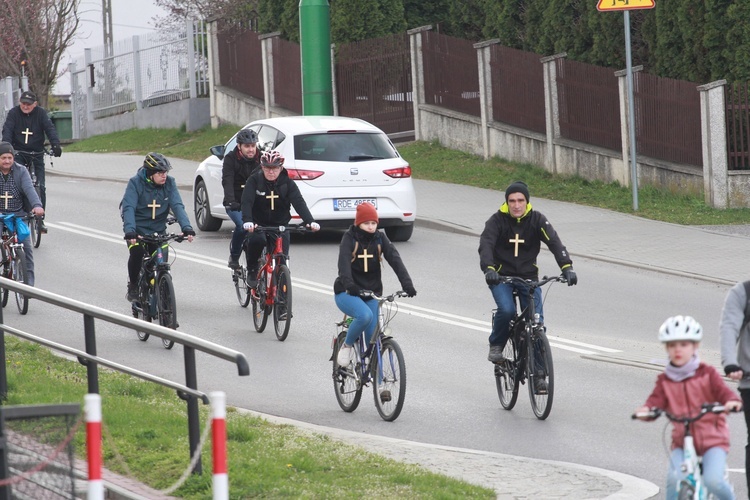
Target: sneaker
[42,227]
[496,354]
[345,355]
[234,263]
[282,314]
[132,294]
[540,385]
[252,278]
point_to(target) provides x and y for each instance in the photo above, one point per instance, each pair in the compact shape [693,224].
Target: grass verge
[431,161]
[146,438]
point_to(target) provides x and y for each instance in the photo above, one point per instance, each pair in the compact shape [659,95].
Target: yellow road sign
[606,5]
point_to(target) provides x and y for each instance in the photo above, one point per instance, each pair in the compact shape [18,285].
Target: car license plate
[350,204]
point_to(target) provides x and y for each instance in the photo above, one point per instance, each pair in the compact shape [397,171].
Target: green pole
[315,47]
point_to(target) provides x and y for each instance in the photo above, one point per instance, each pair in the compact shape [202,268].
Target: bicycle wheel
[167,306]
[31,221]
[240,286]
[389,380]
[282,303]
[260,309]
[138,313]
[6,272]
[541,374]
[19,276]
[346,385]
[506,376]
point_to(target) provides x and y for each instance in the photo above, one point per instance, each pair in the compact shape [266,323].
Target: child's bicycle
[691,487]
[380,363]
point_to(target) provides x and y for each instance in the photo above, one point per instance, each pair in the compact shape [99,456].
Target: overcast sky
[129,17]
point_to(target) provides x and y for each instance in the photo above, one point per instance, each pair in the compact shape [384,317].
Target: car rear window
[344,147]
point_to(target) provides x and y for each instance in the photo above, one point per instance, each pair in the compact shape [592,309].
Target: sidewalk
[589,232]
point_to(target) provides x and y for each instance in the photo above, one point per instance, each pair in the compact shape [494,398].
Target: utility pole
[107,27]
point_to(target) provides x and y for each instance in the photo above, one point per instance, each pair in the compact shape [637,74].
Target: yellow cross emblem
[153,208]
[27,133]
[272,197]
[7,197]
[516,241]
[364,257]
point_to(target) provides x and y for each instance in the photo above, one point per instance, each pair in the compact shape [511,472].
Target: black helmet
[156,162]
[247,136]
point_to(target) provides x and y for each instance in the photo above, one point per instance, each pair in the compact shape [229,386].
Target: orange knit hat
[365,213]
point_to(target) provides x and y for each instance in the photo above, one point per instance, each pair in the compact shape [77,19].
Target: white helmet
[680,328]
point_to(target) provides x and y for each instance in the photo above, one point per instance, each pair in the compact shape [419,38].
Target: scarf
[680,373]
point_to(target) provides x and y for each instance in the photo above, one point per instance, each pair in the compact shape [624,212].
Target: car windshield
[343,147]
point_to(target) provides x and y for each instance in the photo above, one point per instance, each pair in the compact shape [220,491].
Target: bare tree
[178,11]
[37,32]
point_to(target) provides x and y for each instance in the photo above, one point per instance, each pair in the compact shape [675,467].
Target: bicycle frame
[272,260]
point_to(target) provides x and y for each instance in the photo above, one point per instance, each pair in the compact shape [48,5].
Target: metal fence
[737,99]
[517,88]
[373,82]
[589,104]
[667,119]
[287,75]
[240,59]
[451,78]
[143,71]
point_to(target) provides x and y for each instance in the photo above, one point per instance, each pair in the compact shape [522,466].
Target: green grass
[433,162]
[145,437]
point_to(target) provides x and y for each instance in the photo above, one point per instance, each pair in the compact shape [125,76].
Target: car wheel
[202,209]
[400,233]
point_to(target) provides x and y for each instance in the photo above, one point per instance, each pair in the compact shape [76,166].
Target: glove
[491,277]
[131,236]
[314,226]
[731,369]
[234,206]
[188,232]
[248,226]
[56,150]
[353,290]
[410,291]
[570,275]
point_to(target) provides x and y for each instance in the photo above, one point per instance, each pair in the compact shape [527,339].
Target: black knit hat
[5,147]
[518,187]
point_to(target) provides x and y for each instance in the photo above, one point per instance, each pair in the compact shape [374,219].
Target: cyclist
[24,128]
[266,201]
[509,246]
[149,197]
[18,198]
[238,165]
[684,386]
[360,253]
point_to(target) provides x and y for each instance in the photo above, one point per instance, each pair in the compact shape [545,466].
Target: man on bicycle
[25,127]
[150,196]
[238,165]
[18,197]
[266,201]
[509,246]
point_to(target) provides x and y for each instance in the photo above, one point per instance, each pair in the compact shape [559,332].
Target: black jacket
[358,249]
[268,203]
[234,172]
[497,244]
[37,122]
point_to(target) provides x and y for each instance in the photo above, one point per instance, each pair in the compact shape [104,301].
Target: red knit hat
[365,213]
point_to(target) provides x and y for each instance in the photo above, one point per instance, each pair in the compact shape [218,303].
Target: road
[613,315]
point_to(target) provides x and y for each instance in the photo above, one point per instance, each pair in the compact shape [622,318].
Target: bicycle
[386,368]
[691,486]
[272,294]
[13,264]
[27,160]
[527,355]
[156,298]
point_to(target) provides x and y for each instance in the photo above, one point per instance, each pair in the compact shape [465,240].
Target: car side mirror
[218,151]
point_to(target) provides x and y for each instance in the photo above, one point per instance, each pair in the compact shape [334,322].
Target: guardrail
[188,391]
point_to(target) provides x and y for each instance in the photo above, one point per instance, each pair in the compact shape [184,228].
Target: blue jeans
[506,308]
[238,234]
[714,469]
[364,312]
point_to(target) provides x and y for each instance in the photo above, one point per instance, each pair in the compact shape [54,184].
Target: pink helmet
[271,159]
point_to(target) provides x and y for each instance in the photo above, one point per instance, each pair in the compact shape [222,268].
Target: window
[343,147]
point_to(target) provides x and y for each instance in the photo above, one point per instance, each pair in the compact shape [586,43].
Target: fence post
[194,431]
[624,176]
[214,75]
[335,95]
[485,90]
[93,408]
[417,76]
[8,93]
[92,370]
[266,44]
[192,33]
[138,94]
[551,107]
[220,477]
[89,86]
[3,367]
[714,134]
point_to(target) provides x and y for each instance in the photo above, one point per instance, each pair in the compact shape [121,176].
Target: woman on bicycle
[684,386]
[149,197]
[360,252]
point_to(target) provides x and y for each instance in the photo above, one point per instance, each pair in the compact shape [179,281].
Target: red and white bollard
[93,409]
[219,437]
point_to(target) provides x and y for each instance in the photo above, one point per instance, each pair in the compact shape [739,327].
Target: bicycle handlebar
[281,229]
[45,151]
[705,409]
[386,298]
[162,238]
[531,283]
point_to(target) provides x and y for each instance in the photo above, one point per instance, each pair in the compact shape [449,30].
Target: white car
[337,163]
